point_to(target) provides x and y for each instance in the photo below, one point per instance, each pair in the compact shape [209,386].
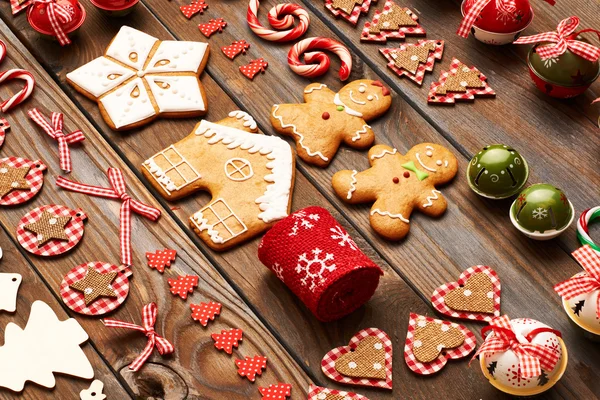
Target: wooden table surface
[559,139]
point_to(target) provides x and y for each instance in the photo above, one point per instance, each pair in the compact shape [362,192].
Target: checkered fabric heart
[320,393]
[328,362]
[34,178]
[356,11]
[384,34]
[73,230]
[432,367]
[437,299]
[450,97]
[75,299]
[4,128]
[389,53]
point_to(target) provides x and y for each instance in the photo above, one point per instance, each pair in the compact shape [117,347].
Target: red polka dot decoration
[51,215]
[23,177]
[75,299]
[183,285]
[204,312]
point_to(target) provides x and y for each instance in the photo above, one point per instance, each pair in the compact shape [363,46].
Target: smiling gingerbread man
[327,119]
[397,184]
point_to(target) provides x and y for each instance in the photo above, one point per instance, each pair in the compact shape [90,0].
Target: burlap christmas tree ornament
[476,295]
[346,5]
[12,178]
[366,361]
[393,20]
[95,285]
[431,338]
[459,82]
[49,227]
[413,56]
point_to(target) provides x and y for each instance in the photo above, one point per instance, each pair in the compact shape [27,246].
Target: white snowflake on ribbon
[313,269]
[302,220]
[278,269]
[343,237]
[141,77]
[540,213]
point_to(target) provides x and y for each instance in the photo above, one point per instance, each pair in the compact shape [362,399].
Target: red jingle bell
[495,18]
[69,16]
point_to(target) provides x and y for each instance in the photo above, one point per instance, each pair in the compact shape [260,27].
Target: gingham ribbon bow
[58,16]
[587,282]
[532,357]
[55,131]
[506,6]
[564,38]
[115,177]
[154,339]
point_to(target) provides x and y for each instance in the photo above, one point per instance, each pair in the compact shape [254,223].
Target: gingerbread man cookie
[327,119]
[250,177]
[398,184]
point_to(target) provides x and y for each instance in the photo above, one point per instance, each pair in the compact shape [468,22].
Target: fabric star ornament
[255,67]
[227,339]
[251,366]
[140,78]
[95,285]
[279,391]
[205,311]
[49,227]
[194,8]
[212,26]
[12,178]
[183,285]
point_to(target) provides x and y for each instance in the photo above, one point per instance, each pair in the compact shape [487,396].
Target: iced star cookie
[140,78]
[249,175]
[327,119]
[397,184]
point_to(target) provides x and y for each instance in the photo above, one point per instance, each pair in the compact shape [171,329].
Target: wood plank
[34,288]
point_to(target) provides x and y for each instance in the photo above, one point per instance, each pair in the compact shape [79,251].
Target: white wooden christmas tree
[46,346]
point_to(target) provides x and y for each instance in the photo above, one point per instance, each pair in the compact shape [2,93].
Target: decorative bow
[115,177]
[58,16]
[564,38]
[586,282]
[505,6]
[532,357]
[163,346]
[55,131]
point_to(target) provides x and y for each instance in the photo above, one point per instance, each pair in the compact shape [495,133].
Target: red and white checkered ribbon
[532,357]
[564,38]
[507,6]
[58,16]
[586,282]
[115,177]
[55,131]
[154,339]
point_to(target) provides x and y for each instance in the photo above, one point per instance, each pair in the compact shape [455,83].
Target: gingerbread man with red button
[327,119]
[397,184]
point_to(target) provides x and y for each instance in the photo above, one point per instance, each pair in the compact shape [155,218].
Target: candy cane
[2,50]
[582,227]
[317,62]
[280,17]
[19,97]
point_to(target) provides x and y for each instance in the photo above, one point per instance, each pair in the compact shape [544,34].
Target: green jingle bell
[497,172]
[542,212]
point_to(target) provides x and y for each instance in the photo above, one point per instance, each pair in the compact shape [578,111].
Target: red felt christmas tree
[279,391]
[204,311]
[197,6]
[161,259]
[251,366]
[235,48]
[183,285]
[255,67]
[212,26]
[227,339]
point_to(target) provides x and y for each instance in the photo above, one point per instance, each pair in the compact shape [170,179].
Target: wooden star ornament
[95,285]
[12,178]
[49,227]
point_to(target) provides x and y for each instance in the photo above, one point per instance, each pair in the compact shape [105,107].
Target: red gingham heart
[437,299]
[73,230]
[328,362]
[35,179]
[75,299]
[432,367]
[318,393]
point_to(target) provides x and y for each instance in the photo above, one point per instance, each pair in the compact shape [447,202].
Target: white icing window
[223,217]
[238,169]
[179,167]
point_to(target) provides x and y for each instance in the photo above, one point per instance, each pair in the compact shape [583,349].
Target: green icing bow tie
[412,167]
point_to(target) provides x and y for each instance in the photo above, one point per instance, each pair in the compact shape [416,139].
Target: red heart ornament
[437,299]
[434,366]
[328,364]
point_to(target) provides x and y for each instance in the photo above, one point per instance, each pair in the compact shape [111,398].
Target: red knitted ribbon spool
[317,259]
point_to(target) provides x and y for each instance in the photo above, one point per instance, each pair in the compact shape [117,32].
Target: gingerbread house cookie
[249,175]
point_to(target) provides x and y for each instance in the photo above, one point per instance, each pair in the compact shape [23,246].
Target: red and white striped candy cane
[19,97]
[2,50]
[316,62]
[280,17]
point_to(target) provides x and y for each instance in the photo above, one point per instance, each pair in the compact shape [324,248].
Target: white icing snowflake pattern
[343,237]
[314,269]
[278,269]
[136,80]
[302,220]
[540,213]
